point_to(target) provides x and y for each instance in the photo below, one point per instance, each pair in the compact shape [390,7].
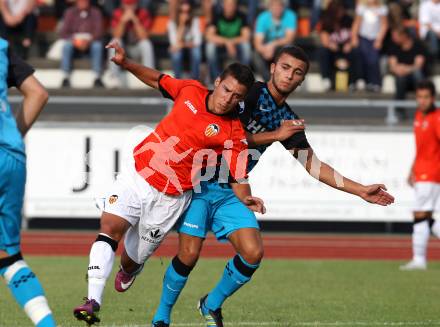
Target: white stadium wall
[59,186]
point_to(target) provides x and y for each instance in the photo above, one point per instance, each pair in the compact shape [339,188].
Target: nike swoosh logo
[173,290]
[264,109]
[127,285]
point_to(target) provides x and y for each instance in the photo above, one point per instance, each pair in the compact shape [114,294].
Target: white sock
[420,239]
[101,262]
[435,228]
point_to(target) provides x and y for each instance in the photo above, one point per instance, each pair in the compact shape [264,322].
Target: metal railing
[390,118]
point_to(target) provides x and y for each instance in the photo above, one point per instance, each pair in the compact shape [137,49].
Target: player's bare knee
[189,255]
[113,226]
[253,255]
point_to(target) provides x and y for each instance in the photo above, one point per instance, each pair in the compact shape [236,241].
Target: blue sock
[27,291]
[173,283]
[237,273]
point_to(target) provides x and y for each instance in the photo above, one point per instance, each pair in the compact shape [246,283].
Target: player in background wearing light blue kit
[24,285]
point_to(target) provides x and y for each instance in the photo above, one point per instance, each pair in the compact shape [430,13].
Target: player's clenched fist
[119,55]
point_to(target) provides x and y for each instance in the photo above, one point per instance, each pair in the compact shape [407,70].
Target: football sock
[237,273]
[102,256]
[26,290]
[420,237]
[173,283]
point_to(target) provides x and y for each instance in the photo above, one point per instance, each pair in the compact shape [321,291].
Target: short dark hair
[242,73]
[293,51]
[426,85]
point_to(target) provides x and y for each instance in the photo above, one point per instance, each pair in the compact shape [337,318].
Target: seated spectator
[336,47]
[82,30]
[406,60]
[429,20]
[369,30]
[185,36]
[130,27]
[18,23]
[205,4]
[274,29]
[228,34]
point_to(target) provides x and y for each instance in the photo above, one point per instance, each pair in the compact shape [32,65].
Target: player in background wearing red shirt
[155,188]
[424,175]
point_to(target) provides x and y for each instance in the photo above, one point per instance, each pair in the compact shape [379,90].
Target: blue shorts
[12,181]
[215,209]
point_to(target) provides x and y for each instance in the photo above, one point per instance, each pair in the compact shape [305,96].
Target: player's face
[288,73]
[226,95]
[424,99]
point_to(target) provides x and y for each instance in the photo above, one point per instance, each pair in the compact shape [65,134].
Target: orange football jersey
[170,158]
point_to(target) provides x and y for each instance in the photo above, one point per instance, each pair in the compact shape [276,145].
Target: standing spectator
[130,28]
[185,35]
[336,45]
[406,60]
[228,33]
[274,29]
[429,20]
[82,30]
[424,175]
[369,30]
[18,23]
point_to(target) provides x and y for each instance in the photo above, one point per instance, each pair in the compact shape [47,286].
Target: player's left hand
[255,204]
[119,56]
[377,194]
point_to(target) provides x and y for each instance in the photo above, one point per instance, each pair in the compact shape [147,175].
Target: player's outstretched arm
[147,75]
[375,193]
[286,130]
[35,97]
[243,192]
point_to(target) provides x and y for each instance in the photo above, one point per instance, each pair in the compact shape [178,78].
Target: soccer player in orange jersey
[155,189]
[424,175]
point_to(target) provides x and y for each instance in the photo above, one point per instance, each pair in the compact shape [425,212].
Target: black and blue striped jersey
[260,113]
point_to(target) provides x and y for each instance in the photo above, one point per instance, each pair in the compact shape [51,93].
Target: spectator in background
[130,27]
[369,30]
[336,46]
[429,20]
[228,33]
[406,59]
[274,29]
[185,35]
[206,5]
[82,30]
[18,23]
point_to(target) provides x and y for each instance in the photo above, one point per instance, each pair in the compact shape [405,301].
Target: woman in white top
[185,36]
[369,29]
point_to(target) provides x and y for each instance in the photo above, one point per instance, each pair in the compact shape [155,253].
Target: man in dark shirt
[22,282]
[406,59]
[267,118]
[228,34]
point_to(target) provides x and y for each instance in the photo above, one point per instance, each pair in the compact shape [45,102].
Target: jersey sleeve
[437,125]
[170,87]
[18,70]
[296,141]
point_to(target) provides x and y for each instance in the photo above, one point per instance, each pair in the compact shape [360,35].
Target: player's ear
[217,82]
[272,68]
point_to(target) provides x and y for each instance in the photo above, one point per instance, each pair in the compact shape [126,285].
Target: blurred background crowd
[352,44]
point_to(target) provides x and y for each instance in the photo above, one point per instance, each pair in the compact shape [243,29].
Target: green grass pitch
[282,293]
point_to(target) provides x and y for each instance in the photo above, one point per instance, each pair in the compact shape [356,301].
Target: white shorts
[150,212]
[427,196]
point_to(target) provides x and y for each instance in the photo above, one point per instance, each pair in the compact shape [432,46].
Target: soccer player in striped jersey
[21,280]
[267,118]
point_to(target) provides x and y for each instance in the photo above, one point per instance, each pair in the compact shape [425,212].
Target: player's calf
[27,290]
